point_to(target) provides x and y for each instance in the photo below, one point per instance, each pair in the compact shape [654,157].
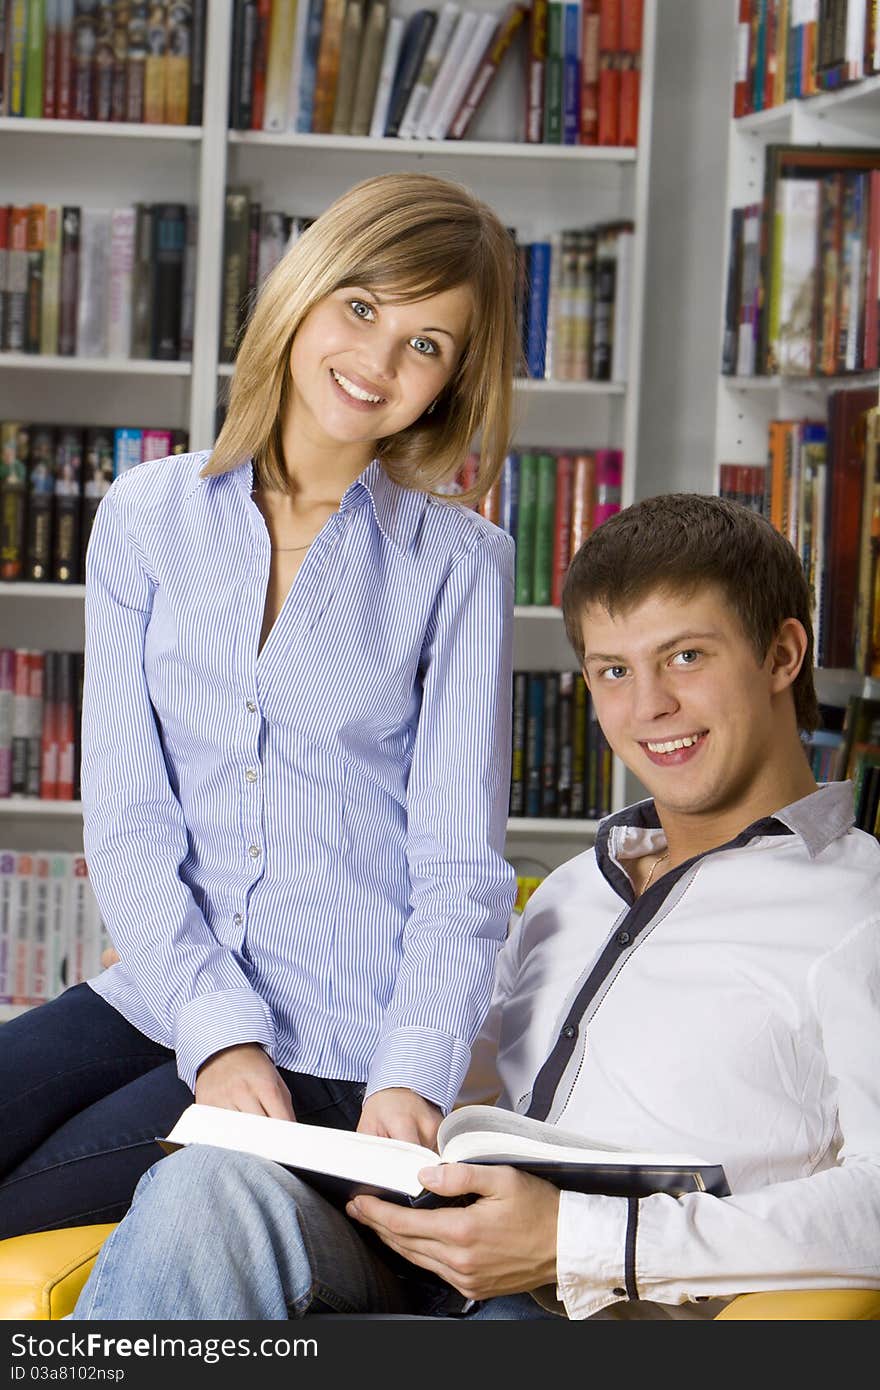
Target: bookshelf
[537,189]
[849,115]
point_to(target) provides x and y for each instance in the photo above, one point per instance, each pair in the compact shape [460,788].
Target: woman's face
[365,366]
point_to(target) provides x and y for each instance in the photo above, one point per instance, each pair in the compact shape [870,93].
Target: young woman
[296,725]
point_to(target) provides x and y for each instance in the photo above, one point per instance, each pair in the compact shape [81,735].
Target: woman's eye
[362,310]
[424,345]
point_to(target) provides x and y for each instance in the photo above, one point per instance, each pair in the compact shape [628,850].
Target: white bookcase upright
[536,189]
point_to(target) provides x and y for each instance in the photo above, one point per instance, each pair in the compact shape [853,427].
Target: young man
[705,979]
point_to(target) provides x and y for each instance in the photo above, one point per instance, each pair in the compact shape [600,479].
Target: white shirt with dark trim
[743,1025]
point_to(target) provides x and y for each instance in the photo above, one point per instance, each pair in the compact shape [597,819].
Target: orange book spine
[630,70]
[583,500]
[589,112]
[327,67]
[609,72]
[776,454]
[561,527]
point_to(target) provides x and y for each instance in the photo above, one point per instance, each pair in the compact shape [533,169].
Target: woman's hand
[398,1113]
[244,1078]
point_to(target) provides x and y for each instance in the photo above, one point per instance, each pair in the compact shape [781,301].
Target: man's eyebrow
[681,639]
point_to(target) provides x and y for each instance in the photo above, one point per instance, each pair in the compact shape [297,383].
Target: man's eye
[614,673]
[688,657]
[424,345]
[362,310]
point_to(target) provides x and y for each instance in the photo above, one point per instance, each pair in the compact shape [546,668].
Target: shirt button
[237,919]
[254,851]
[569,1031]
[619,1293]
[251,707]
[250,775]
[623,938]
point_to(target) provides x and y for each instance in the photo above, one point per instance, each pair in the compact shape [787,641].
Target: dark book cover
[49,732]
[579,749]
[40,490]
[545,516]
[564,714]
[253,264]
[197,62]
[119,66]
[15,444]
[66,726]
[242,50]
[68,294]
[534,759]
[169,243]
[66,519]
[604,288]
[235,264]
[78,664]
[21,719]
[96,480]
[416,37]
[309,68]
[517,774]
[526,522]
[508,508]
[539,266]
[847,412]
[36,245]
[142,275]
[34,754]
[85,40]
[550,759]
[16,315]
[136,62]
[104,59]
[732,294]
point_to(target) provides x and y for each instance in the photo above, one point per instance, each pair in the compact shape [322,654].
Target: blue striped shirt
[300,846]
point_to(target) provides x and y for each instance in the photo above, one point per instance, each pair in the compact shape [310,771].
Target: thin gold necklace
[659,860]
[288,549]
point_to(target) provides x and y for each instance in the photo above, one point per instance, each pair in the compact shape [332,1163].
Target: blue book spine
[539,295]
[571,72]
[509,509]
[309,66]
[534,743]
[126,449]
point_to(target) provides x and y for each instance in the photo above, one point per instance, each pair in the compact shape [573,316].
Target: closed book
[579,748]
[126,448]
[545,514]
[571,71]
[155,444]
[327,66]
[311,43]
[539,270]
[21,719]
[177,63]
[96,479]
[517,766]
[49,739]
[604,288]
[350,47]
[123,227]
[188,289]
[342,1162]
[510,27]
[369,63]
[390,54]
[34,53]
[36,662]
[135,63]
[550,758]
[732,293]
[470,44]
[69,287]
[622,307]
[241,60]
[16,56]
[420,98]
[106,20]
[609,484]
[93,296]
[4,260]
[16,314]
[39,980]
[869,546]
[526,527]
[534,759]
[792,326]
[154,64]
[36,243]
[583,499]
[588,133]
[119,66]
[263,12]
[608,131]
[235,268]
[66,723]
[564,711]
[414,45]
[561,526]
[14,453]
[51,296]
[297,66]
[847,411]
[536,57]
[197,62]
[7,892]
[630,59]
[747,334]
[7,685]
[68,506]
[142,275]
[64,62]
[169,243]
[508,509]
[40,490]
[85,43]
[23,918]
[280,58]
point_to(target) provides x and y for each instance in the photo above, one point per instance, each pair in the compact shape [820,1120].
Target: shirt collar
[397,511]
[818,819]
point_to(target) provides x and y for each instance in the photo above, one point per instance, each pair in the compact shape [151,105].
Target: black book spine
[41,485]
[550,760]
[197,62]
[66,521]
[169,244]
[517,777]
[69,285]
[416,38]
[97,477]
[563,741]
[534,743]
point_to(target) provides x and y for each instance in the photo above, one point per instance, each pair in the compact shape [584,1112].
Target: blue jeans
[83,1098]
[219,1235]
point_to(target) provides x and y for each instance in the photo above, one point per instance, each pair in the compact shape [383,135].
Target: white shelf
[25,589]
[855,95]
[109,366]
[554,829]
[801,383]
[387,145]
[121,130]
[30,806]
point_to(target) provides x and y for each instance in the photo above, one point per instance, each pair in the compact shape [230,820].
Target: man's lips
[674,751]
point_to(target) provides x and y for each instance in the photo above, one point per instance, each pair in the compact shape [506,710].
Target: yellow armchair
[41,1276]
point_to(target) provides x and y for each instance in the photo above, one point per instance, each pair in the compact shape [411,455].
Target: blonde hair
[410,236]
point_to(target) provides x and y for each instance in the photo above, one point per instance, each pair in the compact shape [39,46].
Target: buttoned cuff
[210,1022]
[430,1063]
[591,1235]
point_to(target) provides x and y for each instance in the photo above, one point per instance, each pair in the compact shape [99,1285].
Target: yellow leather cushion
[41,1275]
[828,1305]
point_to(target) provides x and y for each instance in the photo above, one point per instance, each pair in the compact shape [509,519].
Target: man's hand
[503,1243]
[244,1078]
[398,1113]
[109,956]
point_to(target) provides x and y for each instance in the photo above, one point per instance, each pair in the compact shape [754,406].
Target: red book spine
[583,500]
[589,111]
[771,29]
[561,526]
[871,348]
[536,55]
[609,72]
[261,55]
[742,104]
[631,12]
[50,61]
[66,725]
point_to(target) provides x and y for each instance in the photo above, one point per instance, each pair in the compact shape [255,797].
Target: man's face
[682,698]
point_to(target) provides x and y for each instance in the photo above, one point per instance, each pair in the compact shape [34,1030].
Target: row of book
[562,763]
[549,501]
[820,487]
[51,932]
[796,48]
[86,60]
[40,712]
[355,67]
[803,271]
[98,282]
[52,478]
[847,745]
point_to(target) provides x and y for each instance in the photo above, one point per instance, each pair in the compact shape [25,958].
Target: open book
[341,1162]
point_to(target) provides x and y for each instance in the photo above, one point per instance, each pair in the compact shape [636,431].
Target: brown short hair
[679,543]
[407,236]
